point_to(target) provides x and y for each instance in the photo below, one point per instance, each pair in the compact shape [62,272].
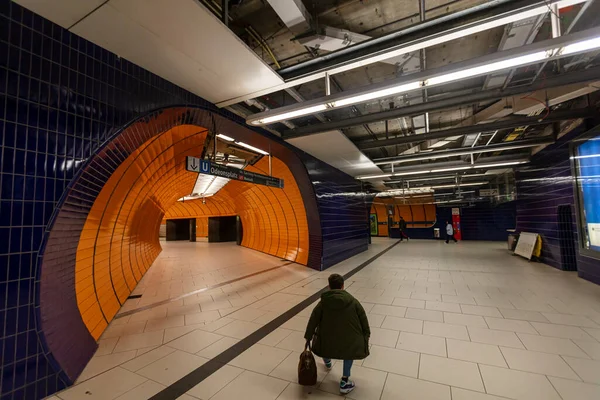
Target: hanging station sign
[195,164]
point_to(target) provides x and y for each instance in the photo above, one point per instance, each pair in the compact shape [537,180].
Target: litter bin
[436,233]
[513,238]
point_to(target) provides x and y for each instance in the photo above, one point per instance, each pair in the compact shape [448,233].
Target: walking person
[339,329]
[450,233]
[402,226]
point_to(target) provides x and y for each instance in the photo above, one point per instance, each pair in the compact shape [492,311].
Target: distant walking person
[450,232]
[339,329]
[403,234]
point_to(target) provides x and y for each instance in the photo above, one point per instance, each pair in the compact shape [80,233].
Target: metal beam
[589,75]
[432,155]
[463,130]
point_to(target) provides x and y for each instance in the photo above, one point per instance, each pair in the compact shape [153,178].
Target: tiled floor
[450,322]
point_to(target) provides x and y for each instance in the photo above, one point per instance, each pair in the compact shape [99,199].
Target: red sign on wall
[456,223]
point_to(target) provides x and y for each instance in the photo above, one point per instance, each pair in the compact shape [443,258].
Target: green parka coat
[338,327]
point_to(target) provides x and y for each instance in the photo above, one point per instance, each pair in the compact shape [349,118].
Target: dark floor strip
[186,383]
[183,296]
[134,296]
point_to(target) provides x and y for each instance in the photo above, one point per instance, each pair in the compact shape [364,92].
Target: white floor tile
[273,338]
[250,314]
[588,370]
[202,317]
[217,347]
[384,337]
[252,386]
[106,386]
[593,332]
[552,345]
[369,382]
[143,391]
[295,392]
[195,341]
[139,341]
[539,363]
[403,324]
[238,329]
[441,306]
[517,385]
[106,346]
[573,390]
[464,319]
[498,338]
[164,323]
[462,394]
[523,315]
[394,311]
[147,358]
[480,310]
[100,364]
[425,315]
[179,331]
[459,299]
[296,324]
[475,352]
[561,331]
[510,325]
[260,358]
[215,382]
[293,342]
[375,320]
[411,303]
[400,362]
[450,372]
[404,388]
[422,343]
[575,320]
[445,330]
[171,368]
[591,348]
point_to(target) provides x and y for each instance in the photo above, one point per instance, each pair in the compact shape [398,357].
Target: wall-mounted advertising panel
[587,166]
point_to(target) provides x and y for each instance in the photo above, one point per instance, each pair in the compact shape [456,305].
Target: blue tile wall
[542,186]
[485,221]
[61,97]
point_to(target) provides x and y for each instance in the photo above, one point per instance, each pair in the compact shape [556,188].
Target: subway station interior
[179,179]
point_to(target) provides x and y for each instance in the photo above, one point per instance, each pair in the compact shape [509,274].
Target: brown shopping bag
[307,367]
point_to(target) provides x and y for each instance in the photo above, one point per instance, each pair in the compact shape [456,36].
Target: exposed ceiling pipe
[511,123]
[589,75]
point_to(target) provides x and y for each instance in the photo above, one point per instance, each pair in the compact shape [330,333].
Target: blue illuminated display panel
[588,183]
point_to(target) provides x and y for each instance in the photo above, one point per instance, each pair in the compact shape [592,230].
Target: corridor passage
[464,321]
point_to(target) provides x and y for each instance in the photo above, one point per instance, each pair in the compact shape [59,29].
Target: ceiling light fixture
[225,137]
[538,52]
[255,149]
[416,45]
[459,185]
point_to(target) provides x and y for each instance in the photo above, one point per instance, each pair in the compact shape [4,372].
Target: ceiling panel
[62,12]
[178,40]
[334,148]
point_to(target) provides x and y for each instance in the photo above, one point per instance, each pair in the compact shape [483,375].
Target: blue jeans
[347,366]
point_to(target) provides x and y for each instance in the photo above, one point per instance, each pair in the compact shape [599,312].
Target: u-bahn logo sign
[194,164]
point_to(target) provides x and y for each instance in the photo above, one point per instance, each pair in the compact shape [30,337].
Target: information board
[194,164]
[526,244]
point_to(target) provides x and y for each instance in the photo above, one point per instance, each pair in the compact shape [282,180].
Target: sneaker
[346,386]
[328,364]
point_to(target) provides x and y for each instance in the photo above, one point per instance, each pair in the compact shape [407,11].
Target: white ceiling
[337,150]
[178,40]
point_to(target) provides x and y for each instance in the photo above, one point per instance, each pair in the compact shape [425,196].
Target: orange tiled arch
[119,240]
[413,214]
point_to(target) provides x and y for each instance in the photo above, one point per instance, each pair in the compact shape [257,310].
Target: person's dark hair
[336,281]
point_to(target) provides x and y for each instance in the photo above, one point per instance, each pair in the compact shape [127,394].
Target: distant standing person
[450,232]
[403,234]
[339,329]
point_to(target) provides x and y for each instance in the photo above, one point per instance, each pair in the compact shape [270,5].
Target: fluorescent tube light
[459,185]
[450,169]
[499,164]
[377,94]
[585,45]
[257,150]
[291,114]
[374,176]
[488,68]
[225,137]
